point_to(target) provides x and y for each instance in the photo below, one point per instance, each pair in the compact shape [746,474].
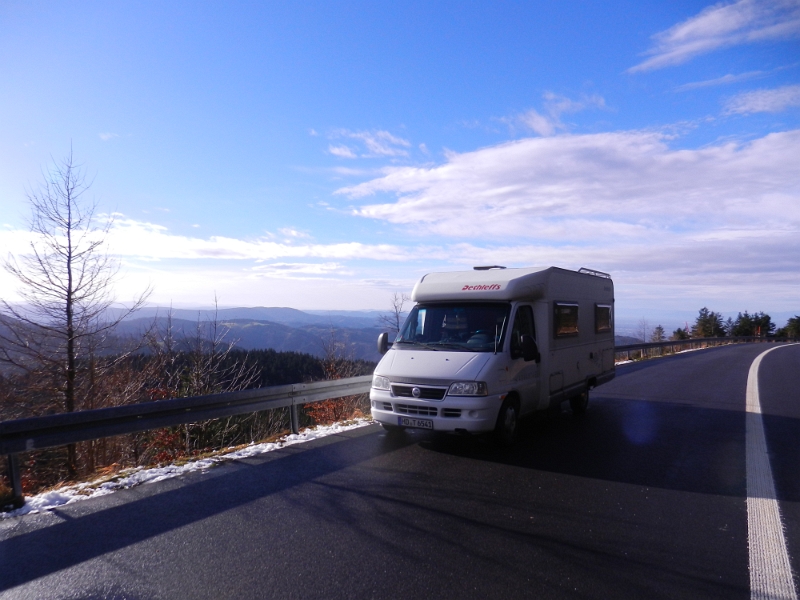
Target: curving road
[644,497]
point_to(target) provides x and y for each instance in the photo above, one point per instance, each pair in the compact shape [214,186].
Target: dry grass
[6,494]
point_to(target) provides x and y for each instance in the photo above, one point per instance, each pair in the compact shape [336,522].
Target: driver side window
[523,325]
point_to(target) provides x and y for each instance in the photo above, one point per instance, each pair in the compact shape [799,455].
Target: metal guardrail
[694,343]
[36,433]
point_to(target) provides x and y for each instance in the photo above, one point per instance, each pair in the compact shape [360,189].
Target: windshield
[462,326]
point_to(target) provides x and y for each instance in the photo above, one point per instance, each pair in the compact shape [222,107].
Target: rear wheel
[579,403]
[554,410]
[505,431]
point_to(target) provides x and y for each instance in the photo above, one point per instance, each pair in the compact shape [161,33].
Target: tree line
[711,324]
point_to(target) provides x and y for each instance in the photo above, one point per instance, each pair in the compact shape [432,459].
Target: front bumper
[453,414]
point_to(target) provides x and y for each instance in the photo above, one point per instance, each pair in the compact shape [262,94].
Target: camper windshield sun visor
[467,327]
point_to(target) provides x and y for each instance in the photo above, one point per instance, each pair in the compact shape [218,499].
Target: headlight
[467,388]
[380,383]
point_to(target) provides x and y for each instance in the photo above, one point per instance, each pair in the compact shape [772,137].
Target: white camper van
[481,348]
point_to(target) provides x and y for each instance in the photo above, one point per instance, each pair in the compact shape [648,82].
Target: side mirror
[383,343]
[529,349]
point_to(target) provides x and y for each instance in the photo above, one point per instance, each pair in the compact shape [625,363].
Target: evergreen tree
[680,334]
[708,324]
[757,324]
[791,329]
[658,334]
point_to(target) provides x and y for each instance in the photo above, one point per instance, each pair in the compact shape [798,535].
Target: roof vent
[488,267]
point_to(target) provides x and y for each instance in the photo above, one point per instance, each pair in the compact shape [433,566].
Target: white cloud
[724,80]
[187,269]
[554,106]
[773,101]
[341,151]
[148,241]
[107,136]
[349,171]
[722,25]
[302,270]
[132,240]
[291,233]
[376,142]
[538,123]
[623,202]
[15,241]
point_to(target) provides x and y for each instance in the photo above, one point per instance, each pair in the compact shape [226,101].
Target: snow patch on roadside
[627,362]
[141,475]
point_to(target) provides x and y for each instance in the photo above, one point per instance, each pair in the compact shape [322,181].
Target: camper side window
[565,319]
[523,325]
[602,318]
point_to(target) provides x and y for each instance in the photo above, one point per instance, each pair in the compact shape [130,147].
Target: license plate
[418,423]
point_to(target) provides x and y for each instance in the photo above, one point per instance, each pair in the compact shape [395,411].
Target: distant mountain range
[355,319]
[278,328]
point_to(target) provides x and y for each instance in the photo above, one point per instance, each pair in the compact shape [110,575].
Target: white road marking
[770,571]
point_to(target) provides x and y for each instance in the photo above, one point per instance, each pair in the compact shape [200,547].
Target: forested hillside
[249,334]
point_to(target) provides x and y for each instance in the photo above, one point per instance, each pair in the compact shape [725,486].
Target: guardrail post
[294,418]
[16,481]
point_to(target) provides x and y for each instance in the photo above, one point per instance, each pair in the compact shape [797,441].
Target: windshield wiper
[416,343]
[454,345]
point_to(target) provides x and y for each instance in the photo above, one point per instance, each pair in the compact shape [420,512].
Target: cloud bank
[585,188]
[715,219]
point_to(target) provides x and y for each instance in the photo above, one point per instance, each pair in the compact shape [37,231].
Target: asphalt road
[644,497]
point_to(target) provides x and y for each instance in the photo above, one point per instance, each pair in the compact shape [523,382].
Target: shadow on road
[199,496]
[638,442]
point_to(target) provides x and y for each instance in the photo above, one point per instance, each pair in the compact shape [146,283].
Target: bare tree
[200,364]
[642,329]
[205,365]
[393,320]
[66,282]
[338,362]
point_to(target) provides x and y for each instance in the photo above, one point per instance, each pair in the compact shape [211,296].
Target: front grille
[410,409]
[425,393]
[451,412]
[387,406]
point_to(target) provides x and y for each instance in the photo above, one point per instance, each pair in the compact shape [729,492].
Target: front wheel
[505,431]
[579,403]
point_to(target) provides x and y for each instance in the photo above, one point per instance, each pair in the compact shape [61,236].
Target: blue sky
[323,155]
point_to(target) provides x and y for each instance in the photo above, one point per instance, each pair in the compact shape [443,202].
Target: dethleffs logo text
[481,288]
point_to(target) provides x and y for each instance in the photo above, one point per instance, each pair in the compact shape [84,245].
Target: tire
[505,430]
[579,403]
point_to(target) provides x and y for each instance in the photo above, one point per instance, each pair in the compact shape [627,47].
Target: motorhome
[482,348]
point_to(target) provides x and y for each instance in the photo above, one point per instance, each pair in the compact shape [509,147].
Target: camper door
[524,375]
